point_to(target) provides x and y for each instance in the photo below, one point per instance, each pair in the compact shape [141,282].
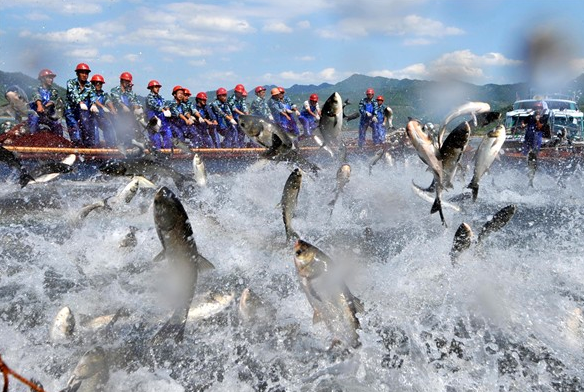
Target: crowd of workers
[88,109]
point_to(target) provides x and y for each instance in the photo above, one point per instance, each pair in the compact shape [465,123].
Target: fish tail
[24,178]
[437,207]
[475,190]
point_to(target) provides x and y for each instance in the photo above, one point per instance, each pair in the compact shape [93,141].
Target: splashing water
[505,318]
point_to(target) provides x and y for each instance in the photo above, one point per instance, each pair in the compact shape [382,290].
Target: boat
[45,145]
[565,141]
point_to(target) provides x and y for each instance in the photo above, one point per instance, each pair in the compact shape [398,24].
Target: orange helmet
[239,88]
[201,95]
[46,72]
[379,98]
[259,89]
[188,92]
[97,78]
[314,97]
[153,83]
[221,91]
[369,91]
[275,91]
[126,76]
[82,67]
[281,89]
[177,88]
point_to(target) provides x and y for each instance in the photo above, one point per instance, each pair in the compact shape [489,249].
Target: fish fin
[316,318]
[437,207]
[159,257]
[291,235]
[204,264]
[144,182]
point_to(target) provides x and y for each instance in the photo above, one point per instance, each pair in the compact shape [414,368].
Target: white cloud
[330,75]
[85,53]
[414,71]
[277,27]
[73,8]
[36,16]
[76,35]
[132,57]
[468,59]
[428,27]
[417,42]
[305,58]
[303,24]
[107,58]
[198,63]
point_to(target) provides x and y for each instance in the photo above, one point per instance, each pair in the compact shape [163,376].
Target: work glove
[138,111]
[189,121]
[374,119]
[106,110]
[233,122]
[166,113]
[368,114]
[125,109]
[271,117]
[317,117]
[82,106]
[94,108]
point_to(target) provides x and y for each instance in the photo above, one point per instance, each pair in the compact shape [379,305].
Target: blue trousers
[532,141]
[103,121]
[35,121]
[79,127]
[363,125]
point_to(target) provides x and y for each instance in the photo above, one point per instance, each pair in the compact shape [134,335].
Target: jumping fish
[426,150]
[497,222]
[462,241]
[343,176]
[199,170]
[485,155]
[328,294]
[289,201]
[472,108]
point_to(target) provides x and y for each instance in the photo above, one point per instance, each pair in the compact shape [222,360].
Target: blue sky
[204,45]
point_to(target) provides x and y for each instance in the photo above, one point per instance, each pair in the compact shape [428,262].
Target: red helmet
[369,91]
[187,92]
[201,95]
[126,76]
[221,91]
[244,93]
[379,98]
[82,67]
[46,72]
[153,83]
[239,88]
[258,89]
[97,78]
[176,88]
[281,89]
[314,97]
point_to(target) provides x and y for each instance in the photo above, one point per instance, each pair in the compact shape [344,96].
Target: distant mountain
[426,100]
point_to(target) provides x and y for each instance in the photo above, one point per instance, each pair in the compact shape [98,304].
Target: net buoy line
[6,372]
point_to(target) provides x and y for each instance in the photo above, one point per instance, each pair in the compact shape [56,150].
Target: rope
[6,371]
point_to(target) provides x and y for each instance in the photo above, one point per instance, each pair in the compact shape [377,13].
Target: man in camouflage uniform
[44,101]
[79,93]
[259,107]
[127,108]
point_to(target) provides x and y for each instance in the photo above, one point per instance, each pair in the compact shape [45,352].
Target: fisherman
[157,106]
[227,126]
[190,131]
[368,111]
[127,108]
[238,107]
[378,133]
[277,108]
[259,107]
[79,94]
[43,103]
[179,121]
[534,128]
[101,109]
[289,124]
[310,115]
[206,129]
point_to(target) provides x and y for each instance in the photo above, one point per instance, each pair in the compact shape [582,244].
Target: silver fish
[129,241]
[531,166]
[328,294]
[63,326]
[497,222]
[328,133]
[485,155]
[451,152]
[199,170]
[428,153]
[343,176]
[462,241]
[91,373]
[289,201]
[472,108]
[179,248]
[50,171]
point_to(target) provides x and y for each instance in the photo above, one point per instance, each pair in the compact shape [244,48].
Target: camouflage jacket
[76,94]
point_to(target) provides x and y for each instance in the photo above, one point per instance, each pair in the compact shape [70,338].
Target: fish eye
[298,252]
